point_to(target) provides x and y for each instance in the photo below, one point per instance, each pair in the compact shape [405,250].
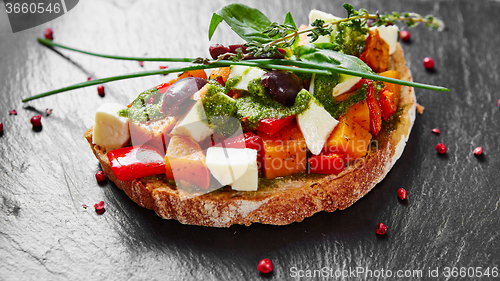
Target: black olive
[283,86]
[176,98]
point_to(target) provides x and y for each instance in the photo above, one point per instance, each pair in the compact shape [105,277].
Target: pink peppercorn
[100,90]
[36,120]
[381,229]
[441,148]
[428,63]
[99,208]
[265,266]
[402,194]
[48,33]
[100,176]
[436,131]
[405,35]
[1,127]
[478,150]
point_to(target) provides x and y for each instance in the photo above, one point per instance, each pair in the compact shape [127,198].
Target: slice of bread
[286,201]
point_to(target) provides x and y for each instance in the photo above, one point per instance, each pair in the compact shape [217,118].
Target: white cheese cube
[316,125]
[247,74]
[194,124]
[389,34]
[316,14]
[110,130]
[346,82]
[234,166]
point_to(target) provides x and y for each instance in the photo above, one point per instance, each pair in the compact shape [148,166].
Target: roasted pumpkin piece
[186,163]
[221,72]
[394,88]
[152,133]
[376,54]
[284,152]
[360,114]
[349,139]
[200,73]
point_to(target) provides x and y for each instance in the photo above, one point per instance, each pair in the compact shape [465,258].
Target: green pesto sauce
[220,110]
[216,102]
[350,40]
[142,111]
[257,106]
[231,82]
[323,88]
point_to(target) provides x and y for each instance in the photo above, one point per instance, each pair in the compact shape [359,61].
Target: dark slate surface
[450,220]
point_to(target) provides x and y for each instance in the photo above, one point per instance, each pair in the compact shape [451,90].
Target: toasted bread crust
[286,201]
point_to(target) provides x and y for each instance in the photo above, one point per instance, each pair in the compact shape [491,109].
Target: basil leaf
[214,22]
[329,58]
[248,23]
[289,20]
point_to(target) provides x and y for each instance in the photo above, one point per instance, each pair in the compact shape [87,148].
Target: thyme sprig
[357,19]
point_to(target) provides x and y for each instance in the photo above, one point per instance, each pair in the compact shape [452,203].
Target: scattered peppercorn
[428,63]
[1,127]
[141,63]
[36,120]
[89,78]
[436,131]
[478,150]
[405,35]
[12,112]
[402,194]
[99,207]
[84,206]
[163,67]
[48,33]
[100,176]
[48,111]
[381,229]
[100,90]
[441,148]
[265,266]
[499,103]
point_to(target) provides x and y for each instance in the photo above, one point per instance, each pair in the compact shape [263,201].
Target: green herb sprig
[264,38]
[356,19]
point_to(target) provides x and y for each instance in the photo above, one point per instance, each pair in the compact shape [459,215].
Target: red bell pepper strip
[162,88]
[271,126]
[134,162]
[357,85]
[374,108]
[326,164]
[387,103]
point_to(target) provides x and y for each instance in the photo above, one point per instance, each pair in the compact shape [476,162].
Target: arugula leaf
[329,58]
[248,23]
